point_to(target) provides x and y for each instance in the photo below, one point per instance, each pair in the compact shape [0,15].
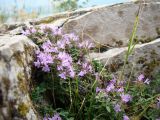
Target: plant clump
[70,87]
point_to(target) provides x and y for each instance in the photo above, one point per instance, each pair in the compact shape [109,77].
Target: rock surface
[16,55]
[113,25]
[107,25]
[144,59]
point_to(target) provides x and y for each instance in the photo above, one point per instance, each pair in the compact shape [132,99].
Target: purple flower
[48,47]
[125,117]
[110,87]
[140,77]
[33,30]
[43,27]
[26,32]
[45,118]
[37,64]
[86,68]
[65,65]
[113,81]
[82,73]
[72,73]
[43,60]
[73,37]
[147,81]
[56,30]
[46,68]
[61,44]
[63,56]
[86,44]
[55,117]
[66,59]
[62,75]
[98,90]
[66,39]
[121,89]
[117,108]
[126,97]
[59,68]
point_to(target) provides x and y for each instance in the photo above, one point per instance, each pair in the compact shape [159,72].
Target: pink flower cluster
[55,117]
[29,31]
[114,86]
[141,79]
[55,53]
[115,90]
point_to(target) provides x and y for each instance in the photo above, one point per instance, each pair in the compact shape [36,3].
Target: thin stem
[77,90]
[53,94]
[70,93]
[131,44]
[128,82]
[81,105]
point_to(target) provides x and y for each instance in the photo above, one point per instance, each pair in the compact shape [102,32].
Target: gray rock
[144,59]
[112,25]
[107,25]
[16,56]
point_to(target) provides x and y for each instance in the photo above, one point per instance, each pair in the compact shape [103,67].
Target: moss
[143,39]
[23,109]
[141,60]
[21,82]
[18,57]
[28,49]
[6,82]
[153,53]
[151,66]
[115,66]
[119,43]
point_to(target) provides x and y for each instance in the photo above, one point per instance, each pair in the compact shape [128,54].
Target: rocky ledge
[108,26]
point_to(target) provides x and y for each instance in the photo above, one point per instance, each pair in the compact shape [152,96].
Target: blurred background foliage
[21,10]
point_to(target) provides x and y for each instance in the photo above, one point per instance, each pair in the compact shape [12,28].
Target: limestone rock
[112,25]
[144,59]
[16,56]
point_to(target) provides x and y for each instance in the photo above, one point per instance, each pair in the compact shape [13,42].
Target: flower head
[126,98]
[26,32]
[55,30]
[117,108]
[86,68]
[140,77]
[73,37]
[43,60]
[121,89]
[55,117]
[32,30]
[98,90]
[110,87]
[48,47]
[125,117]
[147,81]
[86,44]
